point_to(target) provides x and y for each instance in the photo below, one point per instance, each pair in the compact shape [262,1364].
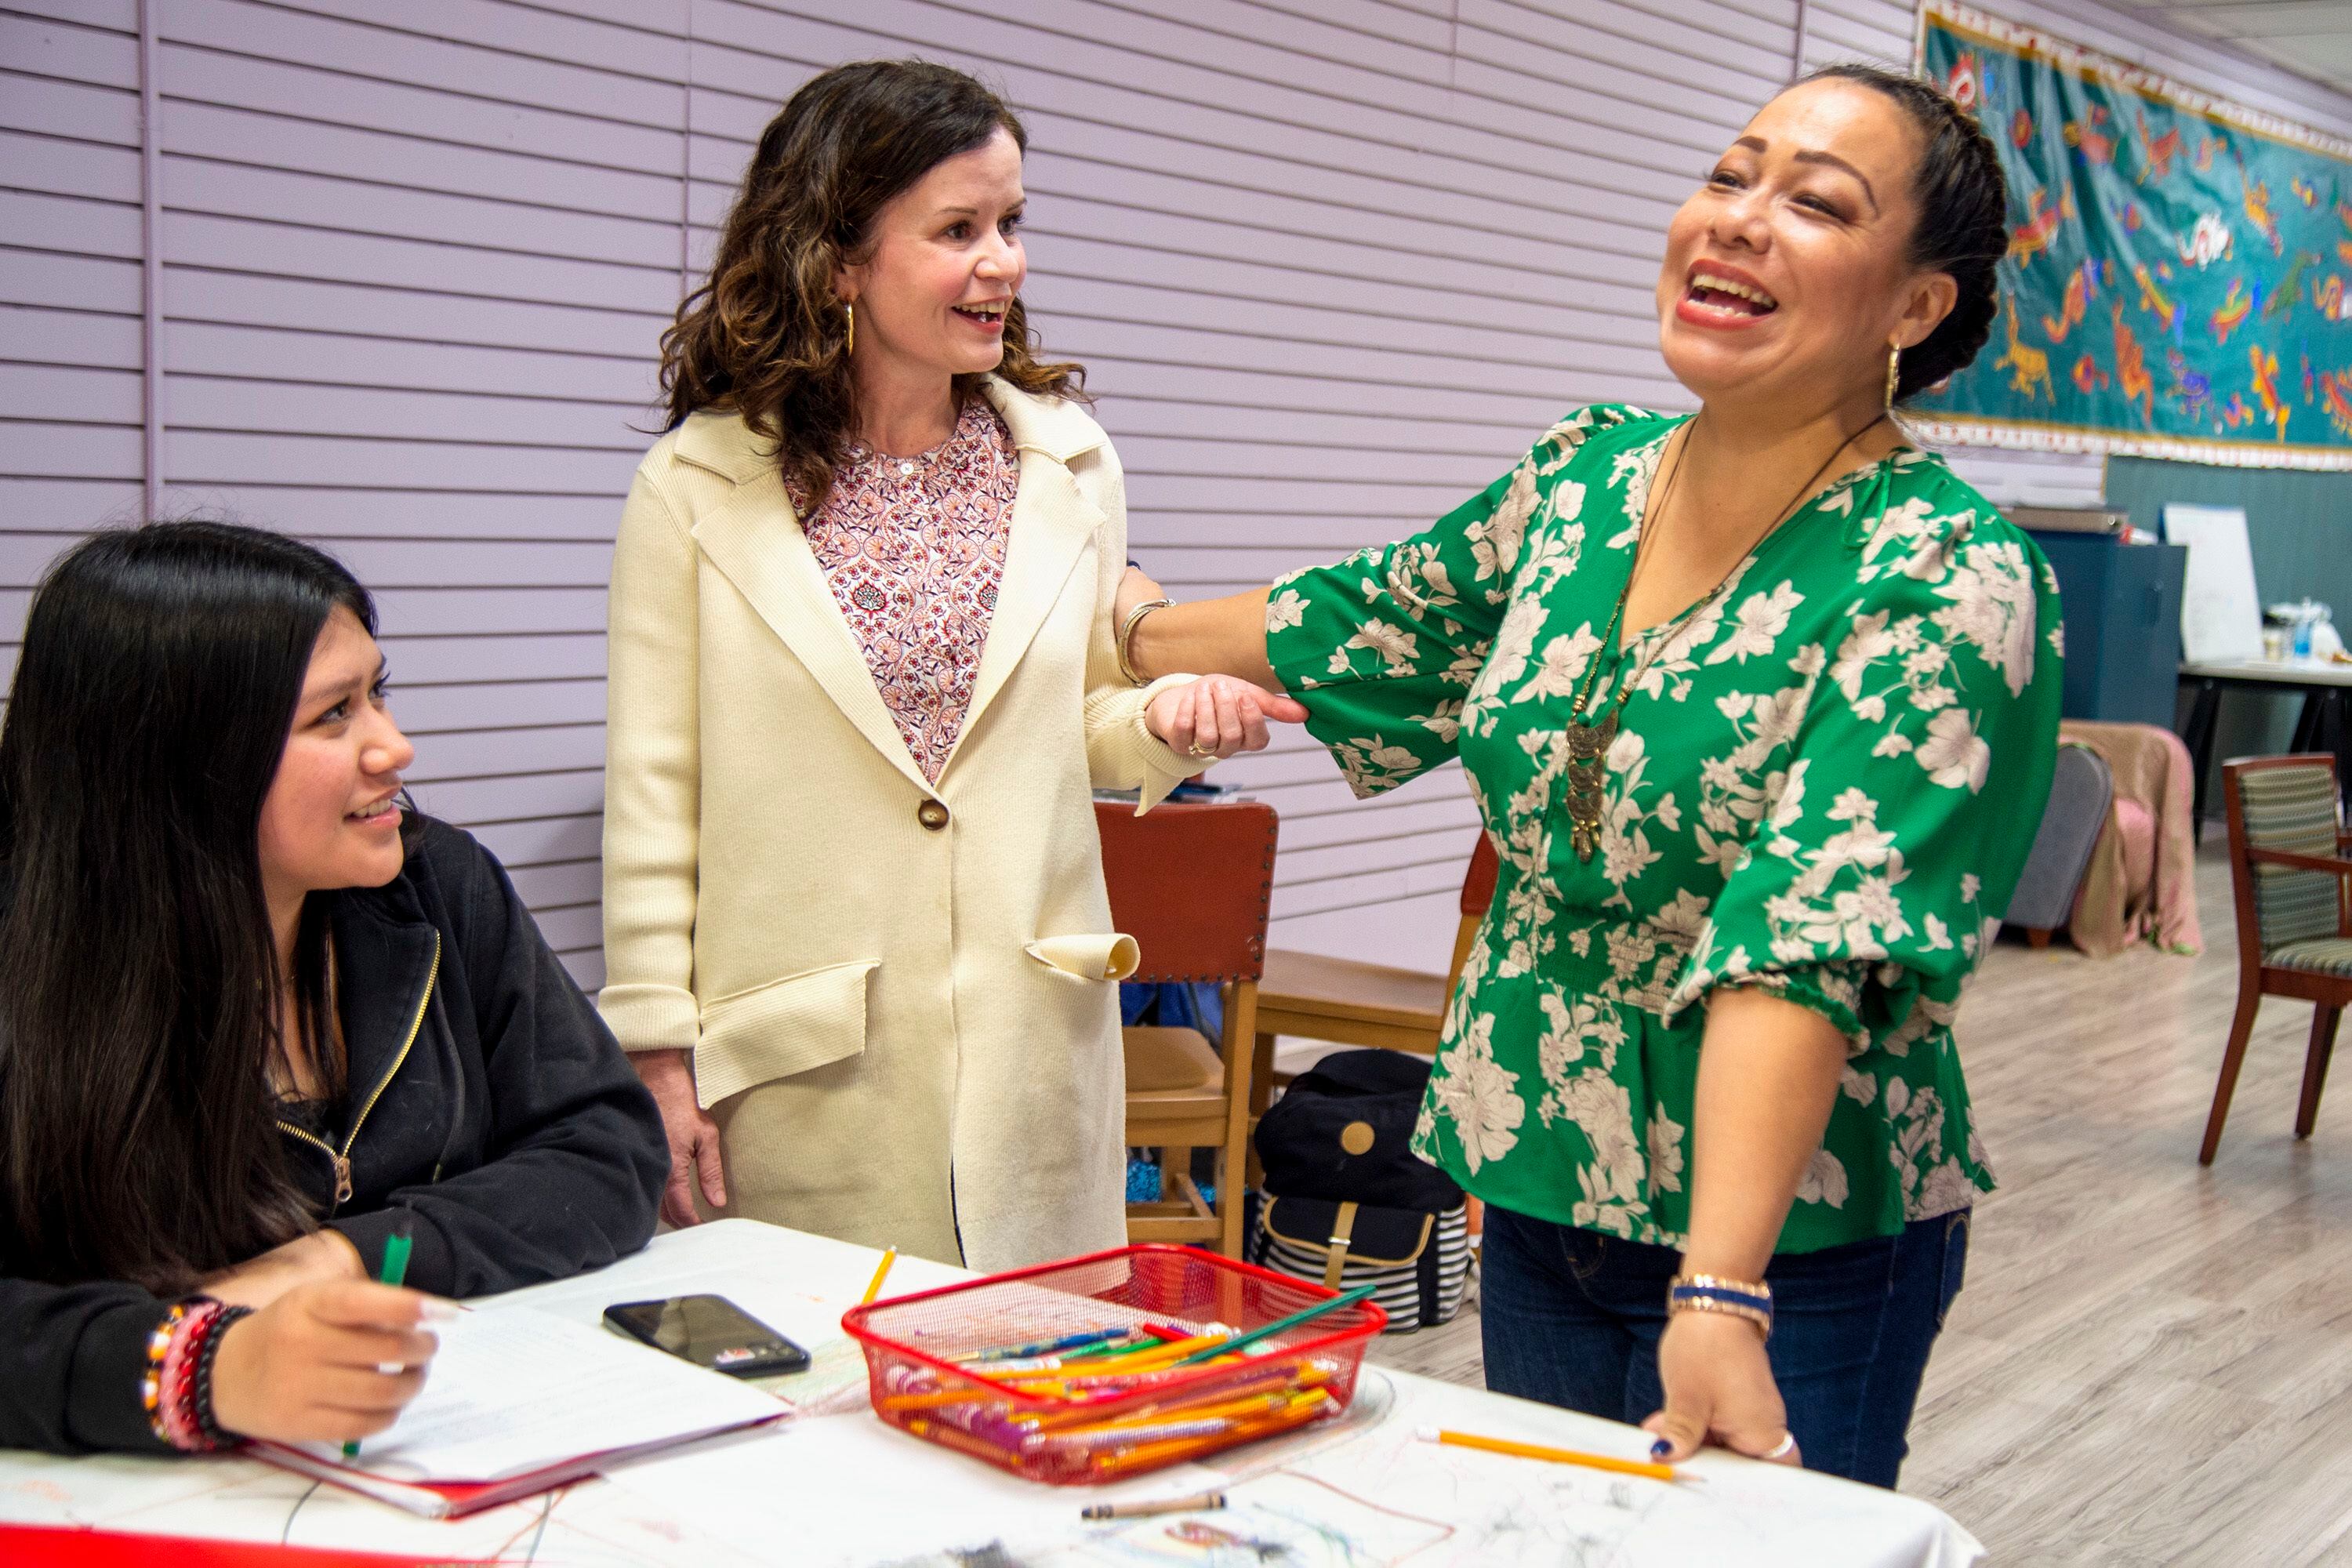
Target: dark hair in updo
[1963,225]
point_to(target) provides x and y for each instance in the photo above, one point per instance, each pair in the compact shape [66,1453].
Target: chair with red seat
[1192,884]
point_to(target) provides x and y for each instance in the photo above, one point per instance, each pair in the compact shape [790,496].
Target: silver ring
[1781,1449]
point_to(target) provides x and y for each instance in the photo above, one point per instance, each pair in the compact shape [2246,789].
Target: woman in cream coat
[869,970]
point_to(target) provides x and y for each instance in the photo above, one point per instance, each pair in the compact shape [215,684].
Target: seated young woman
[256,1017]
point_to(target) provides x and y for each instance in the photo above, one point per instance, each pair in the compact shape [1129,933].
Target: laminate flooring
[2151,1362]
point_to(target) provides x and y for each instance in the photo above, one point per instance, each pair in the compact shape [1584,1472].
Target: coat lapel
[1052,523]
[758,543]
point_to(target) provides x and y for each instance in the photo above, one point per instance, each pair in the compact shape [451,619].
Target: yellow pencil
[1557,1455]
[881,1272]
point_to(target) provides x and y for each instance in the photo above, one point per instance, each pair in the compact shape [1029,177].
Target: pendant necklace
[1589,737]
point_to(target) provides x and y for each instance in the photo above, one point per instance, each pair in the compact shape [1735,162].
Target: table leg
[2203,715]
[2333,734]
[2308,722]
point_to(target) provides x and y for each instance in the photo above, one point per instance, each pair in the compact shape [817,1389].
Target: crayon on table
[1200,1503]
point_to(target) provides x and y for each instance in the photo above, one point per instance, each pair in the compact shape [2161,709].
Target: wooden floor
[2151,1362]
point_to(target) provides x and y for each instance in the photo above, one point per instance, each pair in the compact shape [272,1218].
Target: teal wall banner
[2179,281]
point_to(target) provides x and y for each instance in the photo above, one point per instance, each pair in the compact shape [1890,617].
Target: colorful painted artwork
[2169,253]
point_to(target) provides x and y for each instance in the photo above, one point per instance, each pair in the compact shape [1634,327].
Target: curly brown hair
[765,336]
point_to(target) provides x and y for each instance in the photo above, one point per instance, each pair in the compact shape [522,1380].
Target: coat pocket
[782,1028]
[1112,955]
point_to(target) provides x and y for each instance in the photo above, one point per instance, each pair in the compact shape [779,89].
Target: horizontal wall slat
[112,15]
[72,282]
[69,110]
[435,270]
[68,52]
[73,226]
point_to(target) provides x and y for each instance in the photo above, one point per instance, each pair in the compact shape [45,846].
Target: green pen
[1345,1298]
[395,1269]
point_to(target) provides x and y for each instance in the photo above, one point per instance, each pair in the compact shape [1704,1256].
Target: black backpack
[1347,1200]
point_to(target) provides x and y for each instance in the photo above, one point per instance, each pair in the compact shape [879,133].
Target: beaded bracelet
[200,1396]
[1734,1298]
[159,1341]
[177,1389]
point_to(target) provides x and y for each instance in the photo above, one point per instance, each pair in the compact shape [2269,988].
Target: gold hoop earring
[1893,370]
[849,341]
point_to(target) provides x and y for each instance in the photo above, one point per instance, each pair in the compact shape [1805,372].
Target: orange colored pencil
[1556,1456]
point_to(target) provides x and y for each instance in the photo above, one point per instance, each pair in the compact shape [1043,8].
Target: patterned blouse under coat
[1825,782]
[914,548]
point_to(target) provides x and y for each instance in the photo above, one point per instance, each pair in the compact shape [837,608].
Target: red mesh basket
[1107,1428]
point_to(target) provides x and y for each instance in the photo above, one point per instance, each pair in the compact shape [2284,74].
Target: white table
[844,1488]
[2323,682]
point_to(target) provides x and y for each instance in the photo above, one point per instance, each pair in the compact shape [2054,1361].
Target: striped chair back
[2293,809]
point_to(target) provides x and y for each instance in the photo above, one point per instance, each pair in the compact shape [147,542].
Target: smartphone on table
[710,1332]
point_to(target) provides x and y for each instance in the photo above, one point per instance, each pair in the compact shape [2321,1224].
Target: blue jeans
[1573,1318]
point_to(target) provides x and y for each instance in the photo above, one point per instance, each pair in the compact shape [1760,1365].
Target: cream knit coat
[899,997]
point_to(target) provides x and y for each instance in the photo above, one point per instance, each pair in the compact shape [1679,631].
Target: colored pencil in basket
[1281,1325]
[1049,1347]
[1148,1455]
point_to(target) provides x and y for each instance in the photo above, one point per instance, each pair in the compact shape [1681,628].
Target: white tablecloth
[844,1488]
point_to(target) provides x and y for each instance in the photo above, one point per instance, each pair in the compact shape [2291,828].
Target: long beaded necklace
[1588,738]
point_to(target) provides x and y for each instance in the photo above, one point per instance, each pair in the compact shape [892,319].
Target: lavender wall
[1331,262]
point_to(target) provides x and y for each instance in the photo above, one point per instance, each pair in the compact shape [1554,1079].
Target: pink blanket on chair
[2142,881]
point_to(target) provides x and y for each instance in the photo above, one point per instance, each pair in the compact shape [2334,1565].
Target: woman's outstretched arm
[1208,636]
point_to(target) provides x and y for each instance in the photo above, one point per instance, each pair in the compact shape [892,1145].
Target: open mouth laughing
[1727,295]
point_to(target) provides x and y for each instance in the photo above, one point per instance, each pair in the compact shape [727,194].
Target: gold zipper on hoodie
[342,1161]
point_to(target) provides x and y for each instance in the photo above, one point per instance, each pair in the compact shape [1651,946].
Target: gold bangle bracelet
[1126,636]
[1763,1320]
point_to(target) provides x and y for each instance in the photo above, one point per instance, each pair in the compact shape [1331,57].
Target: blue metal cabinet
[2122,605]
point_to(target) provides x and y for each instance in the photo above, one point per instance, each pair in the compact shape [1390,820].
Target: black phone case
[737,1362]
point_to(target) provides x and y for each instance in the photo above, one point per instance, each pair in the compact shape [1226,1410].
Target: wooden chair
[1352,1003]
[1192,885]
[2287,872]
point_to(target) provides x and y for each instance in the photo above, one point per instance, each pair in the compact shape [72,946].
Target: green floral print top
[1824,782]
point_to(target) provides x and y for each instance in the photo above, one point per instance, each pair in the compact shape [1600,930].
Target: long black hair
[1963,215]
[140,984]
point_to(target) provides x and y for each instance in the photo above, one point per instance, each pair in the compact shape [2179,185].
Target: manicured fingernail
[1661,1448]
[437,1310]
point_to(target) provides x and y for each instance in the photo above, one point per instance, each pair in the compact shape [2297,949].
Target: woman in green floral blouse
[1760,709]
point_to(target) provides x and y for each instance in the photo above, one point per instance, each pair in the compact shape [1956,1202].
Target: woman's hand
[323,1256]
[1720,1389]
[310,1367]
[1218,715]
[693,1136]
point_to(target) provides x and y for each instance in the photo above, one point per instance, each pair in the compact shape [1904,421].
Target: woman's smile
[1718,294]
[986,316]
[381,814]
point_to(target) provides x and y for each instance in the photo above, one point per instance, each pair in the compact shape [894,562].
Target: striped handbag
[1346,1202]
[1417,1263]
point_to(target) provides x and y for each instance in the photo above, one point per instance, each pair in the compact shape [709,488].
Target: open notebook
[518,1401]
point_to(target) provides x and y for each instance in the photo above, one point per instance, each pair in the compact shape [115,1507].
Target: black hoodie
[486,1100]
